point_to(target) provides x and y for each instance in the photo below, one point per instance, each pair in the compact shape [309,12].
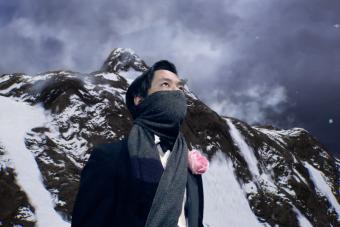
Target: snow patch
[250,187]
[15,122]
[130,75]
[4,78]
[246,151]
[109,76]
[274,135]
[322,186]
[300,176]
[5,161]
[224,199]
[10,88]
[24,213]
[303,221]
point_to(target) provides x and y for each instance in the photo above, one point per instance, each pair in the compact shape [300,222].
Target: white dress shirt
[182,220]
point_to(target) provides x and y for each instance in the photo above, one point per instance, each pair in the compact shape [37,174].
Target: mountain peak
[122,59]
[272,176]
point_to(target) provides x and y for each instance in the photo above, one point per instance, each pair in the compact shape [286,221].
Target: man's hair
[141,85]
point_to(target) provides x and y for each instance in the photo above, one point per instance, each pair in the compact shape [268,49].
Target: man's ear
[137,100]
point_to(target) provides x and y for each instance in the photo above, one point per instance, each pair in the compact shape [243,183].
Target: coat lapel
[194,203]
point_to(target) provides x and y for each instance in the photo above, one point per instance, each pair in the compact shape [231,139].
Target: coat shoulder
[113,148]
[109,153]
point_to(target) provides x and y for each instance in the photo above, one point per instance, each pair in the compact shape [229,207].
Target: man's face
[163,80]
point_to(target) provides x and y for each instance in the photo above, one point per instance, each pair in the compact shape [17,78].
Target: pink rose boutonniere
[198,163]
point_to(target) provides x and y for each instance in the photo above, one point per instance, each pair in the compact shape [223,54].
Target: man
[144,180]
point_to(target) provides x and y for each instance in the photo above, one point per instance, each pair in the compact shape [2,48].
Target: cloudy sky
[262,61]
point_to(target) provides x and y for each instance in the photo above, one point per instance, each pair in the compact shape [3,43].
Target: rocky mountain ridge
[287,176]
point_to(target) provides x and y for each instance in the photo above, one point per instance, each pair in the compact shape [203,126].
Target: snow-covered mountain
[258,176]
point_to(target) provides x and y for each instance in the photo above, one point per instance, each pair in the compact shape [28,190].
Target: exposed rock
[89,109]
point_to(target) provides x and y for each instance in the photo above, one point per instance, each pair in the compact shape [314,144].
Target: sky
[264,62]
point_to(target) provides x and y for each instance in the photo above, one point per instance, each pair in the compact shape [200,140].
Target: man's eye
[182,88]
[165,83]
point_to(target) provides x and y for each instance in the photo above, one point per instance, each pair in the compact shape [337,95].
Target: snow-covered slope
[18,119]
[225,203]
[259,175]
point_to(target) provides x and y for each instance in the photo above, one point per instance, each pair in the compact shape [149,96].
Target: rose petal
[198,163]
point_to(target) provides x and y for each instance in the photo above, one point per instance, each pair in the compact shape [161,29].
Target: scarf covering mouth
[160,113]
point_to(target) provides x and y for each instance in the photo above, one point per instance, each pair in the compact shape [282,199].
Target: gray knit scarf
[161,113]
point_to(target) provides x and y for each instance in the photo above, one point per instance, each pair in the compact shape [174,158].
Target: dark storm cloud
[261,61]
[206,18]
[84,32]
[88,30]
[296,46]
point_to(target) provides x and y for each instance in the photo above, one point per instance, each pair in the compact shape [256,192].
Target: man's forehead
[161,72]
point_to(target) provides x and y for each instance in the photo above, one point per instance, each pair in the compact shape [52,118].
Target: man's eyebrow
[180,82]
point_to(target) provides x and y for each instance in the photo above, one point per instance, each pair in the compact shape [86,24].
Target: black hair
[141,85]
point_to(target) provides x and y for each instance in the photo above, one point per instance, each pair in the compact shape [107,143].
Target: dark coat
[108,197]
